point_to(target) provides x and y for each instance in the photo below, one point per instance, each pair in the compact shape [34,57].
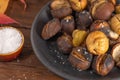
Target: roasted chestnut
[51,29]
[80,58]
[68,24]
[78,37]
[104,27]
[60,8]
[97,43]
[99,24]
[115,23]
[64,43]
[113,2]
[103,64]
[102,9]
[117,9]
[83,20]
[116,54]
[113,42]
[78,5]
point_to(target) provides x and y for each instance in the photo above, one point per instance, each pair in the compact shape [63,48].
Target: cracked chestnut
[116,54]
[97,43]
[78,5]
[78,37]
[115,23]
[80,58]
[60,8]
[51,29]
[103,64]
[102,10]
[68,24]
[103,26]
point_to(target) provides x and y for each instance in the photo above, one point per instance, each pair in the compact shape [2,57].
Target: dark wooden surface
[26,66]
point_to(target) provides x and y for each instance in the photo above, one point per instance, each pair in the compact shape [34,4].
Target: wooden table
[26,66]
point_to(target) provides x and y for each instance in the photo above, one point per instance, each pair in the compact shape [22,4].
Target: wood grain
[26,66]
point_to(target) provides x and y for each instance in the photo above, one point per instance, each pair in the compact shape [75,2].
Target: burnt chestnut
[97,43]
[103,64]
[115,23]
[116,54]
[60,8]
[78,5]
[68,24]
[104,27]
[64,43]
[51,29]
[102,9]
[83,20]
[80,58]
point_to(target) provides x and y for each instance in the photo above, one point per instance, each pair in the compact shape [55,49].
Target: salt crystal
[91,72]
[78,50]
[55,61]
[10,40]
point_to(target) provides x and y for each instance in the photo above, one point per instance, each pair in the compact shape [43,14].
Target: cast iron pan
[48,53]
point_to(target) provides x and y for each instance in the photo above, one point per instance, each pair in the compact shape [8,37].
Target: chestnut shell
[51,29]
[102,10]
[68,25]
[64,43]
[80,58]
[83,20]
[103,64]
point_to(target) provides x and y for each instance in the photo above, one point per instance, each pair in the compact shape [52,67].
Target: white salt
[10,40]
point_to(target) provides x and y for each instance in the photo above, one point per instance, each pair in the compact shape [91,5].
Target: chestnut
[99,24]
[60,8]
[78,5]
[103,64]
[80,58]
[64,43]
[115,23]
[91,1]
[68,24]
[117,9]
[83,20]
[102,10]
[51,29]
[113,42]
[104,27]
[116,54]
[78,37]
[112,1]
[97,43]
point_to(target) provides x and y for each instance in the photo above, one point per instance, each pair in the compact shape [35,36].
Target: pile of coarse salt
[10,40]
